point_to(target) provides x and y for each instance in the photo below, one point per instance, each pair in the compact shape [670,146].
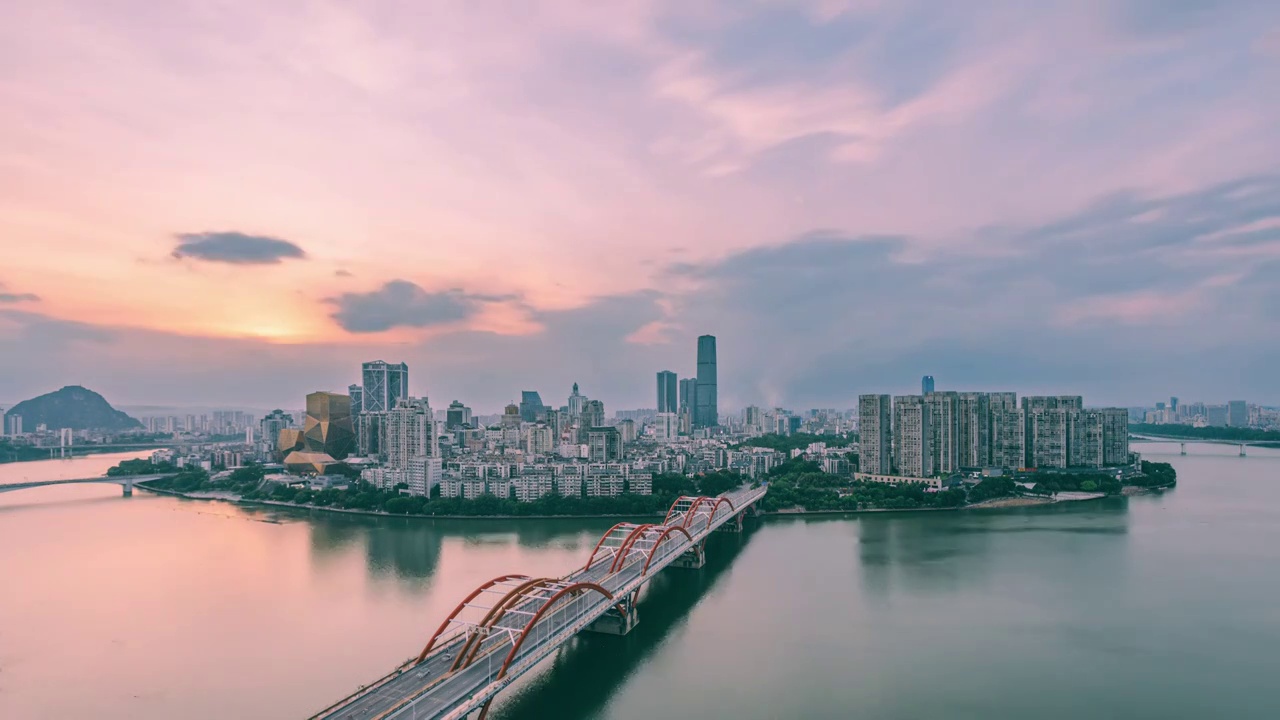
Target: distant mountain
[72,407]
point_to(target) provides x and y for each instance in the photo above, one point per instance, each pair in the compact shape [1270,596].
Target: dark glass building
[531,407]
[705,412]
[667,398]
[926,385]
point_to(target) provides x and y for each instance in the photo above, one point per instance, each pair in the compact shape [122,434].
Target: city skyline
[656,174]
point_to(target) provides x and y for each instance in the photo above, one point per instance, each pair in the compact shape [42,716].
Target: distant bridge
[1182,441]
[509,624]
[125,481]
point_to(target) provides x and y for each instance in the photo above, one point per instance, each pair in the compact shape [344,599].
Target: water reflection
[940,553]
[584,675]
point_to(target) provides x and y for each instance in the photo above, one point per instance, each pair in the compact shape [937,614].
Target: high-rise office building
[1173,404]
[592,414]
[753,419]
[912,454]
[531,407]
[668,401]
[1216,415]
[943,445]
[1238,413]
[875,441]
[706,413]
[688,395]
[383,385]
[456,416]
[356,393]
[666,427]
[576,401]
[13,424]
[926,384]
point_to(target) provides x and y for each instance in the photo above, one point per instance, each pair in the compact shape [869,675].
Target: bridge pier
[692,559]
[734,525]
[615,621]
[1184,448]
[128,487]
[1242,450]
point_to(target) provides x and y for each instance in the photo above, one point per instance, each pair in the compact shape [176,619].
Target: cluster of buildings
[688,405]
[1233,413]
[940,433]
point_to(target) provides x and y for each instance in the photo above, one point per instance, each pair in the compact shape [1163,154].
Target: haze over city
[239,204]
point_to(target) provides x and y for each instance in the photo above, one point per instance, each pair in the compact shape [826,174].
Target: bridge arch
[609,535]
[658,543]
[679,508]
[491,618]
[462,605]
[575,589]
[623,549]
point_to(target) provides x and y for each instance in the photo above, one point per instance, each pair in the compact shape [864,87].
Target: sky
[236,203]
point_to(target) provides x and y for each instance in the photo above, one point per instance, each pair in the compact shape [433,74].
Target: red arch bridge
[503,628]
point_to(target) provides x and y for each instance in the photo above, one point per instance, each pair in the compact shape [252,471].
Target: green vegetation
[1233,434]
[10,452]
[247,482]
[802,484]
[796,484]
[141,466]
[787,443]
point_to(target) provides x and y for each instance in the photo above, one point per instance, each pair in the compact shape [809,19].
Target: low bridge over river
[509,624]
[1183,440]
[124,481]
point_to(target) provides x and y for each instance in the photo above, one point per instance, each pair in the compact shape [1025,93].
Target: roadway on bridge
[117,480]
[429,689]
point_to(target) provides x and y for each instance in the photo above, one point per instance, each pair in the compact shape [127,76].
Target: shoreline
[995,504]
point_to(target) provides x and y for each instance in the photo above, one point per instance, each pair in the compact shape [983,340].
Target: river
[1158,606]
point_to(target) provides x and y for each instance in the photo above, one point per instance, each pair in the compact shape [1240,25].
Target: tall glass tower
[667,392]
[384,385]
[705,413]
[926,385]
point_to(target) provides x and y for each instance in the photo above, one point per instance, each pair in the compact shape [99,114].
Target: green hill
[72,407]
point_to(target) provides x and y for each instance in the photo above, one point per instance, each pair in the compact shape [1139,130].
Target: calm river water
[1162,606]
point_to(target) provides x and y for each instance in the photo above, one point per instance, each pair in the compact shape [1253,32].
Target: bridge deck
[117,479]
[429,689]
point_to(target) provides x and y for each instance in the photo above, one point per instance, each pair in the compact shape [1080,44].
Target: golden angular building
[328,435]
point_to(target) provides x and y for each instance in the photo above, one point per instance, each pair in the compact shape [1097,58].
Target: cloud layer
[1055,195]
[236,248]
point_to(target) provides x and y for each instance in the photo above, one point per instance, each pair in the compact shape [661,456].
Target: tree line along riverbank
[794,486]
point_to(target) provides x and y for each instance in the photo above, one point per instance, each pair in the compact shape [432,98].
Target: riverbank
[997,503]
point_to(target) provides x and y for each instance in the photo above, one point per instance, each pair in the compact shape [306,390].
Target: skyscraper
[1048,428]
[576,401]
[531,407]
[384,384]
[688,395]
[356,393]
[926,385]
[667,396]
[706,413]
[875,434]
